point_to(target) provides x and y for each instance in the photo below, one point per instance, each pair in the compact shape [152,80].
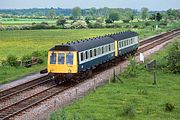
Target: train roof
[83,44]
[123,35]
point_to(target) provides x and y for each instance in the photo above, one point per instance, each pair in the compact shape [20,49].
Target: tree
[158,16]
[114,16]
[144,13]
[52,13]
[76,12]
[61,22]
[173,57]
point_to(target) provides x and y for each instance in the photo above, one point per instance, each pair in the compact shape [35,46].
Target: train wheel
[56,80]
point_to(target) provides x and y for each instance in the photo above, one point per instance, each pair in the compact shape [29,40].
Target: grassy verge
[136,99]
[8,73]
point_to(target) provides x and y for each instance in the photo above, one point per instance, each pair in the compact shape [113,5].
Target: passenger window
[86,55]
[120,44]
[109,47]
[112,47]
[99,51]
[60,58]
[81,56]
[95,52]
[53,58]
[91,54]
[102,49]
[69,58]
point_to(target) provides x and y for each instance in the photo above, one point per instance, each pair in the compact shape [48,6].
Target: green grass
[24,42]
[8,73]
[146,101]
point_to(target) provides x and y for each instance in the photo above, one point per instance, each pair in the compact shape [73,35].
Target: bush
[36,54]
[2,28]
[12,60]
[129,111]
[61,22]
[79,24]
[40,26]
[40,61]
[110,26]
[109,21]
[169,107]
[67,26]
[147,23]
[25,27]
[132,67]
[136,26]
[173,58]
[125,21]
[26,58]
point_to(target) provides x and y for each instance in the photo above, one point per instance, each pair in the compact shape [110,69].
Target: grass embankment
[136,99]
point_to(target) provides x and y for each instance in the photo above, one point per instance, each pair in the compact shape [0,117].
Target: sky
[134,4]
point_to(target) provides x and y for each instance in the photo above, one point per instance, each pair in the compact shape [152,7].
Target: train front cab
[62,63]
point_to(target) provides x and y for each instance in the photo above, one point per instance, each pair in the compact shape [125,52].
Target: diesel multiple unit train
[79,58]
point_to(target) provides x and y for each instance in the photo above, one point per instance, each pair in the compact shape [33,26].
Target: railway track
[22,105]
[17,89]
[144,46]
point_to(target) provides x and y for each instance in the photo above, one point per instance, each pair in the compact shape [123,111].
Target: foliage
[52,13]
[158,16]
[132,67]
[12,60]
[126,21]
[129,111]
[169,107]
[79,24]
[76,12]
[144,13]
[108,20]
[61,22]
[174,58]
[26,58]
[173,14]
[114,16]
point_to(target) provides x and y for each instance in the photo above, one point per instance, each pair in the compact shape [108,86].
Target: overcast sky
[135,4]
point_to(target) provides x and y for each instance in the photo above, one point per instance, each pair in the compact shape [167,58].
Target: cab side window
[69,59]
[60,58]
[53,58]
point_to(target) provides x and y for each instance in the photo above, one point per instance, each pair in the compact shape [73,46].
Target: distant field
[21,21]
[24,42]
